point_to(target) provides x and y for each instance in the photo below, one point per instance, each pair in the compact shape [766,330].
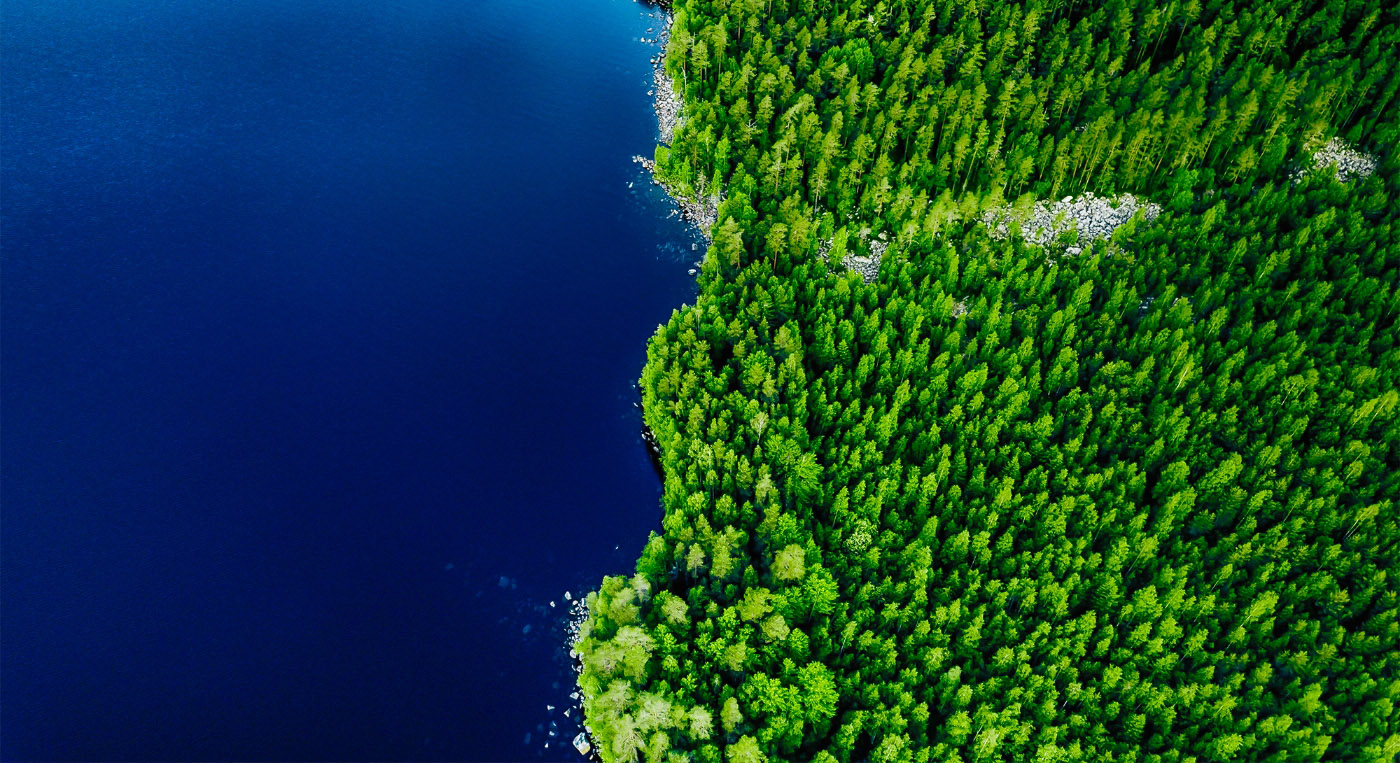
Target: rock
[702,211]
[667,103]
[867,267]
[1348,162]
[1092,217]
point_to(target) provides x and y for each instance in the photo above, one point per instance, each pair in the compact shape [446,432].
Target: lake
[320,327]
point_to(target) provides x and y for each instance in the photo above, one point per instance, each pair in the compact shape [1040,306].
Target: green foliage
[1002,504]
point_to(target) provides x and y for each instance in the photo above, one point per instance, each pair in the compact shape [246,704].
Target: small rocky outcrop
[1094,217]
[701,211]
[1340,155]
[868,266]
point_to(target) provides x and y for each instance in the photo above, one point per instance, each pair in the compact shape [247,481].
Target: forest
[1128,499]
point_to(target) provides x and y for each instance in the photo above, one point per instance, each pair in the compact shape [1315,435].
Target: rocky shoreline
[573,627]
[702,211]
[666,102]
[574,620]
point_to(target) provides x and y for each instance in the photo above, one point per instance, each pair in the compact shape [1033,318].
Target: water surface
[320,322]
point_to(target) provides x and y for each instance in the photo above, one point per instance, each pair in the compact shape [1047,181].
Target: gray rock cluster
[868,267]
[668,105]
[1348,162]
[702,212]
[1094,217]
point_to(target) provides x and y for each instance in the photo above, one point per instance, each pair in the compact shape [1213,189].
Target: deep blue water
[319,320]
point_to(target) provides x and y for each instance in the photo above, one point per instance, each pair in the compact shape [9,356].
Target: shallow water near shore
[320,326]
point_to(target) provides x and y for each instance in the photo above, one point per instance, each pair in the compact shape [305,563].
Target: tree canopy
[1001,502]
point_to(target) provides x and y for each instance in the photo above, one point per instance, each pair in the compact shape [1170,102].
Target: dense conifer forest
[1128,499]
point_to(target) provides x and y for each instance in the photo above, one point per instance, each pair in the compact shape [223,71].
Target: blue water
[320,323]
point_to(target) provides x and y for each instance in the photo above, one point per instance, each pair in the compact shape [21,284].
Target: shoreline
[702,214]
